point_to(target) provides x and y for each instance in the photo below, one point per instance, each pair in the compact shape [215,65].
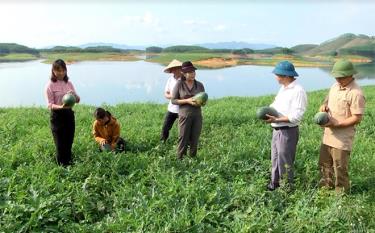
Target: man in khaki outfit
[345,105]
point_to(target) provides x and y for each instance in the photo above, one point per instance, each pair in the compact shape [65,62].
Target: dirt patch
[360,60]
[216,62]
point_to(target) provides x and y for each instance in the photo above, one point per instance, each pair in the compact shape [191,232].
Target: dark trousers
[120,145]
[63,127]
[169,119]
[283,152]
[189,131]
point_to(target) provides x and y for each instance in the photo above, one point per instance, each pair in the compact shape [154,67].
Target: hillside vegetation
[7,48]
[346,44]
[357,48]
[14,52]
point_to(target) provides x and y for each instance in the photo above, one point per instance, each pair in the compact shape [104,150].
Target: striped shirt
[55,91]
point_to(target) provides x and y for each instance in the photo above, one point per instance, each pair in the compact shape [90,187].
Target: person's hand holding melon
[69,100]
[200,99]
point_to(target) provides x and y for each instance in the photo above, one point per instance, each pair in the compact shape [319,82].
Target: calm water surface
[116,82]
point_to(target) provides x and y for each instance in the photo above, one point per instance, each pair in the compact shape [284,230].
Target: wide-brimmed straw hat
[173,64]
[187,66]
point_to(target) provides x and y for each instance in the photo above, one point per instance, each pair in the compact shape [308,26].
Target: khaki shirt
[343,102]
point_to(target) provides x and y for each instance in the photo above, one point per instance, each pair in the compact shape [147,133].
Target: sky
[283,23]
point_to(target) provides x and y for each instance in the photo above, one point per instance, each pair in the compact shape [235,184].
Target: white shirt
[290,101]
[171,83]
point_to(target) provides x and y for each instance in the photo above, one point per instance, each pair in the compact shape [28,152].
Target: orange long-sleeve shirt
[109,132]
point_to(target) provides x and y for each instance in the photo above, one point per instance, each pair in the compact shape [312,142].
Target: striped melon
[69,100]
[266,110]
[201,98]
[321,118]
[106,148]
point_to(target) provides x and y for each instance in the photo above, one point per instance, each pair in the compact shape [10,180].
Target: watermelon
[263,111]
[69,100]
[321,118]
[201,98]
[106,148]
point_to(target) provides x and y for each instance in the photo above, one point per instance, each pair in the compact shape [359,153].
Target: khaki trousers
[334,162]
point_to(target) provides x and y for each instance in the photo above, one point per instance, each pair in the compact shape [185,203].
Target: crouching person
[106,132]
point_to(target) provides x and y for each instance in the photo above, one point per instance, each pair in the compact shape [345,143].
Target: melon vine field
[147,189]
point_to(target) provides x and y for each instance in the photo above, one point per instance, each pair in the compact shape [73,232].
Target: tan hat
[174,63]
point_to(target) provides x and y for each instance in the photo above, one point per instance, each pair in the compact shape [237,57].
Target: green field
[16,57]
[148,190]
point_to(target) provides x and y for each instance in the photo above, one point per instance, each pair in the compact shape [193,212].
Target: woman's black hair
[100,113]
[57,65]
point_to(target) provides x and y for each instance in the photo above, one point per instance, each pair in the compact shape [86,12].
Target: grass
[16,57]
[148,190]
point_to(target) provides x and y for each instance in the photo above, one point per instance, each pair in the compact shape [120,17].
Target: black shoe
[271,187]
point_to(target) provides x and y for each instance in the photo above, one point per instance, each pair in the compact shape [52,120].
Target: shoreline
[205,61]
[43,106]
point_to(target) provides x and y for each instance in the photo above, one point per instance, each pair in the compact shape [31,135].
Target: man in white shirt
[290,103]
[170,117]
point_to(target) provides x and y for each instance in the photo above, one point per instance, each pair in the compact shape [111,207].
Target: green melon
[106,148]
[263,111]
[321,118]
[69,100]
[201,98]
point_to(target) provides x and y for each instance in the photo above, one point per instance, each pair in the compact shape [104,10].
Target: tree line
[199,49]
[8,48]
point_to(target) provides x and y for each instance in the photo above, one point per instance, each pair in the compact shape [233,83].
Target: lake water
[22,84]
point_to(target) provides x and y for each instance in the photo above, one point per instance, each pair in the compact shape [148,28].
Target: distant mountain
[184,48]
[345,44]
[219,45]
[236,45]
[117,46]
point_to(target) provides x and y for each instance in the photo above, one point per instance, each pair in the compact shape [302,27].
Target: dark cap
[187,66]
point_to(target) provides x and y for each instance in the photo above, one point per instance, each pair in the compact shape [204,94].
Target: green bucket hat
[343,68]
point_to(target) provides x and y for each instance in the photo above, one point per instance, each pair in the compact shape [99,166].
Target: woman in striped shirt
[62,117]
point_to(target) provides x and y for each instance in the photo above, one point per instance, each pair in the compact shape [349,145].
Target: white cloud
[147,19]
[69,23]
[194,22]
[203,25]
[220,27]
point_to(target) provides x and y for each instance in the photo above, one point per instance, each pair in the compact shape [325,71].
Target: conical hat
[174,63]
